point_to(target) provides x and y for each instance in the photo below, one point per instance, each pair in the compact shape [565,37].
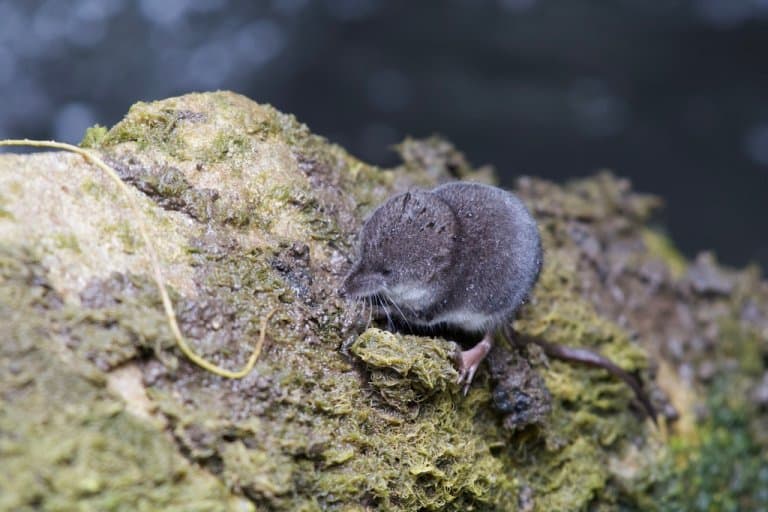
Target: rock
[249,211]
[705,278]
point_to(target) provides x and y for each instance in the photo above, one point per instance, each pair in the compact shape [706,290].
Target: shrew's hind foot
[469,360]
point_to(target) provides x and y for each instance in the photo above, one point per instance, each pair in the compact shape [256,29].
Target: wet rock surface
[252,212]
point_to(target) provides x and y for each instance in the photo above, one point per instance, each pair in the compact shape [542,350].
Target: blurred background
[672,94]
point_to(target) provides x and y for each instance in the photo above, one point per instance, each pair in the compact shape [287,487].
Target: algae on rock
[251,211]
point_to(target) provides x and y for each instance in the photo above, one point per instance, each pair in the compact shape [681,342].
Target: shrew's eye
[386,272]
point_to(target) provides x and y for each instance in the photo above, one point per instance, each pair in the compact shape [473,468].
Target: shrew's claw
[468,361]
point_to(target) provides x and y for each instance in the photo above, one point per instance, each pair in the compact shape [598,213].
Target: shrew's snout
[358,284]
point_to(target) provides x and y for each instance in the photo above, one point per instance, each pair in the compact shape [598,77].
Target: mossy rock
[249,212]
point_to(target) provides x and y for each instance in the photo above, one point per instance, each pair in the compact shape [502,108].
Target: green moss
[724,466]
[725,469]
[175,127]
[131,241]
[93,136]
[406,370]
[147,126]
[15,188]
[4,214]
[68,242]
[258,473]
[273,212]
[227,146]
[171,183]
[662,247]
[307,431]
[432,462]
[567,479]
[415,377]
[743,345]
[125,320]
[65,442]
[91,188]
[558,314]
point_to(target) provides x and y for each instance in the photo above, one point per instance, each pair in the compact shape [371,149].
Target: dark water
[673,94]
